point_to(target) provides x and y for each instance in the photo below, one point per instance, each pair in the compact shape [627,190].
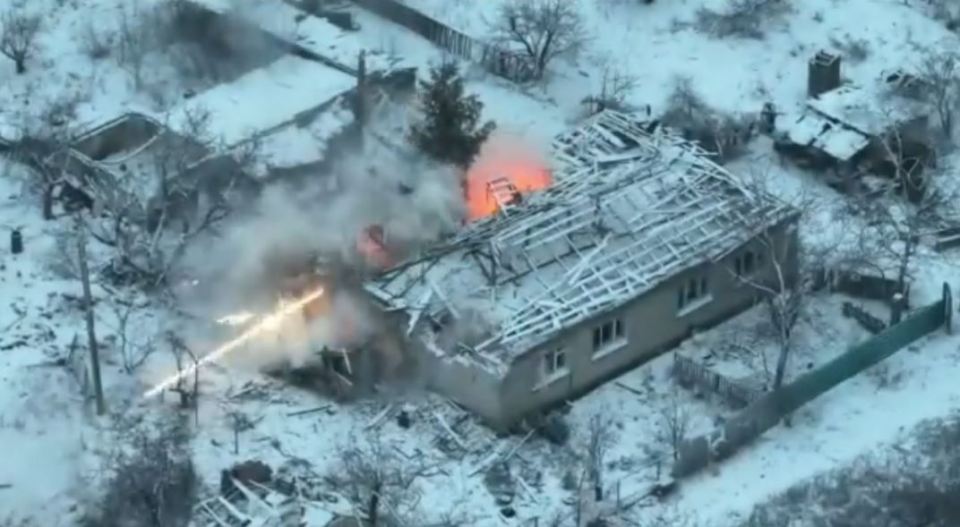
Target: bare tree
[615,86]
[138,226]
[940,76]
[543,29]
[95,42]
[675,421]
[742,18]
[783,295]
[18,33]
[134,40]
[723,135]
[133,352]
[599,440]
[44,148]
[188,395]
[773,264]
[81,237]
[896,225]
[378,482]
[151,483]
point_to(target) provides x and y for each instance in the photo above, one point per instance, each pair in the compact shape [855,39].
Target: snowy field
[56,447]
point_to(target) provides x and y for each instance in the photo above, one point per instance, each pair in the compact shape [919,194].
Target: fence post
[896,309]
[947,308]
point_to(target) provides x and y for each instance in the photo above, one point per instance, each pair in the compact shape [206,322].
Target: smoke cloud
[290,228]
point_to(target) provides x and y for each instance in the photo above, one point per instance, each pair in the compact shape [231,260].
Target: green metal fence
[766,412]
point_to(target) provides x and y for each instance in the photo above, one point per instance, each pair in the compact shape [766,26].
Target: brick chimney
[823,73]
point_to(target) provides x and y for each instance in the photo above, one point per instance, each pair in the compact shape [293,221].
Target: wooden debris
[526,487]
[377,419]
[308,411]
[492,458]
[629,389]
[450,431]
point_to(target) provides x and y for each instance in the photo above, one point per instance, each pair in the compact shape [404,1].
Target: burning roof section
[630,207]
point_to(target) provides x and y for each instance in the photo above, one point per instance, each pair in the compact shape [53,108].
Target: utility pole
[88,308]
[362,98]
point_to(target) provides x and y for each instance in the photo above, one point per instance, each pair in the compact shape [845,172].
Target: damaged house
[142,170]
[849,131]
[640,241]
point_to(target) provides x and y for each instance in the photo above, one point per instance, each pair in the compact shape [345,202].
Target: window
[746,263]
[608,334]
[553,368]
[554,363]
[693,293]
[339,363]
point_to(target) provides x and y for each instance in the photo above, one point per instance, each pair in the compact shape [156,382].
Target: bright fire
[371,244]
[236,319]
[523,170]
[270,322]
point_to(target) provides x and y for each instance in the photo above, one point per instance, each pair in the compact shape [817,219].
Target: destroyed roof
[868,111]
[812,129]
[629,208]
[841,122]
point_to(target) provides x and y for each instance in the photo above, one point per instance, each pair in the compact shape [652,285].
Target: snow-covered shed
[844,123]
[639,241]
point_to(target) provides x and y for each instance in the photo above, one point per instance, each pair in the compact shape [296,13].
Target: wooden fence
[692,373]
[858,285]
[946,238]
[496,60]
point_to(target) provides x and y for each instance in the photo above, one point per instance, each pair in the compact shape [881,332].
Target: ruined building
[639,241]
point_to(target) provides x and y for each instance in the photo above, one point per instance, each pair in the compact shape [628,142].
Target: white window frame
[551,369]
[617,337]
[693,294]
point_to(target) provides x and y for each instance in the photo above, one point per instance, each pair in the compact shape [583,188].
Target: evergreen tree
[450,130]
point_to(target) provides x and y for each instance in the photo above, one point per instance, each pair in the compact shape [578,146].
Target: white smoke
[413,201]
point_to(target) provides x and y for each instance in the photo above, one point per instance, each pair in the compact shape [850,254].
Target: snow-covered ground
[53,442]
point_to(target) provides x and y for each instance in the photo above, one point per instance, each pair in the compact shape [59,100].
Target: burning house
[846,129]
[638,241]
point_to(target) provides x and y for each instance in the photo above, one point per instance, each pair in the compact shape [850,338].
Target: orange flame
[371,244]
[524,171]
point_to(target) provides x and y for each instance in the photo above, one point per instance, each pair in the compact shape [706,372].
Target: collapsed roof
[842,122]
[631,206]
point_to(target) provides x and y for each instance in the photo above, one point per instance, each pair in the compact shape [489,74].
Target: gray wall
[652,326]
[465,383]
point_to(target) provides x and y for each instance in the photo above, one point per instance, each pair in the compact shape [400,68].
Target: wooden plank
[454,435]
[234,512]
[212,514]
[308,411]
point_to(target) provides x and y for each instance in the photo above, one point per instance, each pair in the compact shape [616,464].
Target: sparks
[268,323]
[235,319]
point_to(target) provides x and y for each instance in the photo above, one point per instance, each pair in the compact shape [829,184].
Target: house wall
[126,132]
[652,325]
[465,383]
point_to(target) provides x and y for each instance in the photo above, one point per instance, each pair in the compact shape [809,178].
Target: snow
[819,132]
[55,446]
[294,145]
[863,109]
[299,27]
[265,99]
